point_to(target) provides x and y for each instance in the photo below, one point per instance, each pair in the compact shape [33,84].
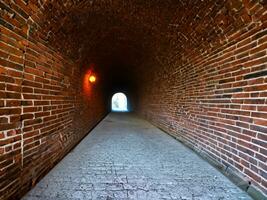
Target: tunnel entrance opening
[119,102]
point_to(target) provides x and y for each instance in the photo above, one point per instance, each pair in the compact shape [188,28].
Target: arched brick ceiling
[137,32]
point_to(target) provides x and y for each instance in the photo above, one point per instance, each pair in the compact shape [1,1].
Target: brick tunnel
[195,76]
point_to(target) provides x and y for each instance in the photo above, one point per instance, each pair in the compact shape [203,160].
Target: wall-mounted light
[92,79]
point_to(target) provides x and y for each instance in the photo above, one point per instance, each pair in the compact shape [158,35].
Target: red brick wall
[210,91]
[46,103]
[200,68]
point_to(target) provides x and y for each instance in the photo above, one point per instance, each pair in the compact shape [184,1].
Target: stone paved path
[126,158]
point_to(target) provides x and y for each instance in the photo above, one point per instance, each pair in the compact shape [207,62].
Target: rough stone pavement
[125,158]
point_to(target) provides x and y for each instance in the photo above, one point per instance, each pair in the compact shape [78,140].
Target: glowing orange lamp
[92,78]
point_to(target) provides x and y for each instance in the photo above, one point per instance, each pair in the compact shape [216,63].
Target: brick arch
[196,69]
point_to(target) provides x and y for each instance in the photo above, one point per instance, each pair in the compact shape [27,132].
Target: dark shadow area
[119,78]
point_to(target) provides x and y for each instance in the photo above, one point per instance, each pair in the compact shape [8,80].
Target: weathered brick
[189,74]
[256,75]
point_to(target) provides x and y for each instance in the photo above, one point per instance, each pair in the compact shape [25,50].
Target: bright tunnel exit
[119,102]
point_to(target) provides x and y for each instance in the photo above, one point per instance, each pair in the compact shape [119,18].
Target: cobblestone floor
[126,158]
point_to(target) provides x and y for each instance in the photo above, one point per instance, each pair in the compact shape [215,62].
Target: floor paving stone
[126,158]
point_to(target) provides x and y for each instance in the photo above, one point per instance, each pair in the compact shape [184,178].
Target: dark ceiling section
[117,36]
[121,37]
[106,29]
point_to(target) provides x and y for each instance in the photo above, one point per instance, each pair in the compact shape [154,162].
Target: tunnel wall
[46,102]
[213,98]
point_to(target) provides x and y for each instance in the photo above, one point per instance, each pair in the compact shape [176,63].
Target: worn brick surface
[209,89]
[195,68]
[125,157]
[46,107]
